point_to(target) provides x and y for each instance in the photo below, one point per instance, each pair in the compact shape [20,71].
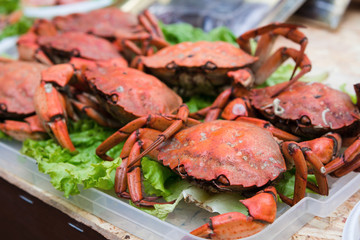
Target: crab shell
[327,109]
[246,155]
[128,93]
[102,22]
[18,81]
[76,44]
[197,68]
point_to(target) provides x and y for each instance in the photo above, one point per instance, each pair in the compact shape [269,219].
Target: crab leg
[268,126]
[101,118]
[346,162]
[272,63]
[29,50]
[319,152]
[27,44]
[292,152]
[30,128]
[235,225]
[266,41]
[244,39]
[159,122]
[151,36]
[237,108]
[130,177]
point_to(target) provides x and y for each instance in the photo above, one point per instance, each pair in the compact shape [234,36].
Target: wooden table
[337,52]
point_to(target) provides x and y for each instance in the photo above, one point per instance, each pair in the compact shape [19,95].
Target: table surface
[336,52]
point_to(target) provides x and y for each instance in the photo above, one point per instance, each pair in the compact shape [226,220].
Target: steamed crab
[18,82]
[220,155]
[51,47]
[110,24]
[122,92]
[207,67]
[305,109]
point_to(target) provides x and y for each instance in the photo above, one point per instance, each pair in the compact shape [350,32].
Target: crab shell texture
[327,109]
[18,81]
[246,155]
[128,93]
[197,68]
[77,44]
[102,22]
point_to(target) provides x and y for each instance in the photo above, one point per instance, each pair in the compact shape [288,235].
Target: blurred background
[238,15]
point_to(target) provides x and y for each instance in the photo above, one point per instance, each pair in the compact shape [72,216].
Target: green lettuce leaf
[18,28]
[352,96]
[286,184]
[4,136]
[184,32]
[67,170]
[9,6]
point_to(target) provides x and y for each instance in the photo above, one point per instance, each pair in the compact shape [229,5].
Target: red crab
[305,109]
[220,156]
[203,67]
[111,24]
[18,82]
[123,92]
[51,47]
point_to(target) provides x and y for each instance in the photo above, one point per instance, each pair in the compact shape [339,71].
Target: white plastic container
[352,226]
[61,10]
[186,217]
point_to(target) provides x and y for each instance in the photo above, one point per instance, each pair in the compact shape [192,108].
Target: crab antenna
[152,146]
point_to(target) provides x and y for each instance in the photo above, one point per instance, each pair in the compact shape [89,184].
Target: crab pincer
[235,225]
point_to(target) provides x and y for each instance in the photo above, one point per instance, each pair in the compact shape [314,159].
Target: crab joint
[48,87]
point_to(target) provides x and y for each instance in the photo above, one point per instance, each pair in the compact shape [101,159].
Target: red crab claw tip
[233,225]
[59,129]
[262,206]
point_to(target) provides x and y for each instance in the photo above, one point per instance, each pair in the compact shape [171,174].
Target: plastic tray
[61,10]
[186,217]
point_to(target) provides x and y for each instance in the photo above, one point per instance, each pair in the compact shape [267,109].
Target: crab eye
[75,52]
[209,66]
[223,180]
[305,120]
[181,170]
[114,98]
[171,66]
[3,107]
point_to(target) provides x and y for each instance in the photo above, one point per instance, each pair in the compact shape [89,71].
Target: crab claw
[235,225]
[51,109]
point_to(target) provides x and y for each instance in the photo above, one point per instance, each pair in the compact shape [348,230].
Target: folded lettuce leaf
[67,170]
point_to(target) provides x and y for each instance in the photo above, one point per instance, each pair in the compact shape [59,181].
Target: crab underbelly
[194,81]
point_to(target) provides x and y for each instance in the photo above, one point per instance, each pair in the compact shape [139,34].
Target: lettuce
[184,32]
[4,136]
[286,185]
[67,170]
[353,97]
[18,28]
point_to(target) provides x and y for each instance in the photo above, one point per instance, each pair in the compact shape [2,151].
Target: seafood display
[117,69]
[207,67]
[18,81]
